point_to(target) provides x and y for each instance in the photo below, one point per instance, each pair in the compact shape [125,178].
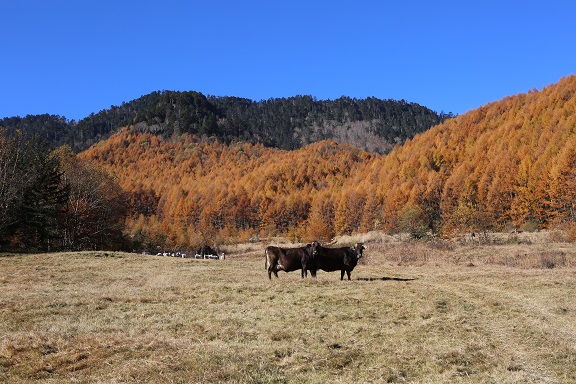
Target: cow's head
[314,246]
[358,248]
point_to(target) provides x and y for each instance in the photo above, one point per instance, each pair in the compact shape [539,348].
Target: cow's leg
[304,270]
[272,269]
[348,273]
[342,275]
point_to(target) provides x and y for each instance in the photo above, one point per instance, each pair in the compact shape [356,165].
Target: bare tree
[96,207]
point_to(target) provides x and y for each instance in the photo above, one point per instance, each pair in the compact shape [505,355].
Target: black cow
[287,259]
[205,251]
[334,259]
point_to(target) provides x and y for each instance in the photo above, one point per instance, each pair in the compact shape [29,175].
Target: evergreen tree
[31,193]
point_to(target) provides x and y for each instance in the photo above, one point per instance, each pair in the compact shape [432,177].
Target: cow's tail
[266,261]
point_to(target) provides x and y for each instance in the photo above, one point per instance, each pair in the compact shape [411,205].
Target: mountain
[285,123]
[508,163]
[185,179]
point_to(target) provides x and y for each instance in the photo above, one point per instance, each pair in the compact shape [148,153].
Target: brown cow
[287,259]
[334,259]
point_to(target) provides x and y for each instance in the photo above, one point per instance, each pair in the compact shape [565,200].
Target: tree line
[51,200]
[286,123]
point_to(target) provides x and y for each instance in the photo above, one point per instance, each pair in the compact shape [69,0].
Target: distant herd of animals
[204,252]
[311,257]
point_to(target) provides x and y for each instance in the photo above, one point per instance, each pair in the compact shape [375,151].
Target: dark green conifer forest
[285,123]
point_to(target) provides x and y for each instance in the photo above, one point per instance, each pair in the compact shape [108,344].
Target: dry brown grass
[416,312]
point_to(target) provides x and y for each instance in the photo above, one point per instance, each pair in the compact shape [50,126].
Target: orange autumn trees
[508,163]
[186,191]
[496,164]
[562,188]
[487,169]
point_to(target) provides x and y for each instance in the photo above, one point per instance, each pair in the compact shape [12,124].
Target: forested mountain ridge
[286,123]
[508,163]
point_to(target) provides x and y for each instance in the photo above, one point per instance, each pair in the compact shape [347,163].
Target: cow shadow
[385,278]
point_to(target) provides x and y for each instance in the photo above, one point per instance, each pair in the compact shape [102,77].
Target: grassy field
[496,311]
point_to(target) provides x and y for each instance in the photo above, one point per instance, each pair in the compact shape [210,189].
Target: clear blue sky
[71,58]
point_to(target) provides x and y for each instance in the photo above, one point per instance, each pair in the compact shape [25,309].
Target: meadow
[496,309]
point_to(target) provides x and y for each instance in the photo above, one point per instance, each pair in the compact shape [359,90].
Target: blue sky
[71,58]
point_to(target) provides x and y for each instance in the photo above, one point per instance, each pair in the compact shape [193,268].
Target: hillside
[185,191]
[286,123]
[509,163]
